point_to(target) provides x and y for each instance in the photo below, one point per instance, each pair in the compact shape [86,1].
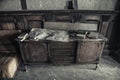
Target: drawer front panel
[62,44]
[89,51]
[62,52]
[35,52]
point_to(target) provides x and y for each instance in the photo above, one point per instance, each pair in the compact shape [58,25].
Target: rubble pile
[47,34]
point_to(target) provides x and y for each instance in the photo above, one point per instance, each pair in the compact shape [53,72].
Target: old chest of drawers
[75,50]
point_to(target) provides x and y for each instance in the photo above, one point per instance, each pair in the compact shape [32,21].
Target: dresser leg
[96,67]
[26,68]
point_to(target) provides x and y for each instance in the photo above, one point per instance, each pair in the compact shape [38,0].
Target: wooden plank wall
[24,21]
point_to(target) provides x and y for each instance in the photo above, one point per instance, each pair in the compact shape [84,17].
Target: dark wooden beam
[24,4]
[33,12]
[117,6]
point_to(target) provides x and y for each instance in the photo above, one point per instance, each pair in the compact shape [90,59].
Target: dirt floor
[108,70]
